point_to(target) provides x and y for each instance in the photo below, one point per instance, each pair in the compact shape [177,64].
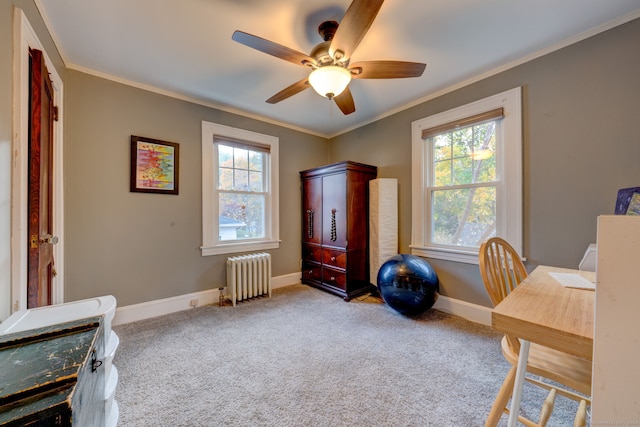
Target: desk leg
[521,370]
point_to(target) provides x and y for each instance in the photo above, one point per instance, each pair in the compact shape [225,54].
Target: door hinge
[55,113]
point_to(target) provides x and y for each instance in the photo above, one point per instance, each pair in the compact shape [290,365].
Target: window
[239,190]
[467,178]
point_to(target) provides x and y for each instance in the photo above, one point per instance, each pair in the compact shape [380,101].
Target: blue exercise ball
[408,284]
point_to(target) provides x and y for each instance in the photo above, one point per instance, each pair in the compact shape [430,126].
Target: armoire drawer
[334,258]
[311,271]
[312,253]
[335,278]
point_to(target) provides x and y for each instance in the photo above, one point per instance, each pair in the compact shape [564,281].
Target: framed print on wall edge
[154,166]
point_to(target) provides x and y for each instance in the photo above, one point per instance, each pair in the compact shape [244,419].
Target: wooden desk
[542,311]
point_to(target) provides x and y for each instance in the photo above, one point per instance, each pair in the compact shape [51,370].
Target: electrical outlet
[193,303]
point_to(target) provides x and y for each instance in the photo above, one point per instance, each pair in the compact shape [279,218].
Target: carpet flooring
[307,358]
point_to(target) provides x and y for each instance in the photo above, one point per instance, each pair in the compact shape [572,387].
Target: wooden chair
[502,270]
[545,412]
[581,415]
[547,408]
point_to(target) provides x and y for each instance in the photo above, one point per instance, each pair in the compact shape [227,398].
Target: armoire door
[334,210]
[312,210]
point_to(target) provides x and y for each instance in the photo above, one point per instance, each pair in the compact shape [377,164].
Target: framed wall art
[154,166]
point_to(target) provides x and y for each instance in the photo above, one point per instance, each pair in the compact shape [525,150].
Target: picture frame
[154,166]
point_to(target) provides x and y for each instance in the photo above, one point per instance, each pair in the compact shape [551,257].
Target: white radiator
[248,276]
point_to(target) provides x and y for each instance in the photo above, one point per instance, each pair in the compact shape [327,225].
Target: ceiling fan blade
[272,48]
[289,91]
[344,101]
[386,69]
[357,20]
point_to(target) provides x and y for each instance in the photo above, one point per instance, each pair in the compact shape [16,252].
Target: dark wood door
[41,115]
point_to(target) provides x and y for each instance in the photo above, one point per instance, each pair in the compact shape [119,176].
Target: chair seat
[573,372]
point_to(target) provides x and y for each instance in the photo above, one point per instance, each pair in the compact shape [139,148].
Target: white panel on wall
[383,223]
[616,348]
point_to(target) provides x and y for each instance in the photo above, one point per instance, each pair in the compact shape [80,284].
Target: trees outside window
[241,190]
[462,186]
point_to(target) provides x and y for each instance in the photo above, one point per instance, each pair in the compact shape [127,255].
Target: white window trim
[509,208]
[210,244]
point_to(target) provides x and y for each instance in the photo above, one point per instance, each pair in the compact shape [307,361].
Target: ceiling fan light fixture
[330,80]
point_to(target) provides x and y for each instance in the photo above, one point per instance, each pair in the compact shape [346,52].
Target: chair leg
[547,408]
[500,404]
[581,415]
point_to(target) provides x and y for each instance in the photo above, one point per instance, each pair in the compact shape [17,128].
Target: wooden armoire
[335,227]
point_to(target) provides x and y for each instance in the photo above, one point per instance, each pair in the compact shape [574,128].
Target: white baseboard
[149,309]
[160,307]
[472,312]
[285,280]
[146,310]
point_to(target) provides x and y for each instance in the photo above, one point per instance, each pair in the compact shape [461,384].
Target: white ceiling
[184,47]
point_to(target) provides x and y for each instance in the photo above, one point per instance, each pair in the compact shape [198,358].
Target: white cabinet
[616,350]
[105,307]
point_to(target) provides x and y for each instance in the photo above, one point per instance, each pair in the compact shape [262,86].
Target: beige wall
[141,247]
[6,128]
[581,107]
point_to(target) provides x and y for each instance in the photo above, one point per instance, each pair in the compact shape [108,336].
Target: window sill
[466,257]
[230,248]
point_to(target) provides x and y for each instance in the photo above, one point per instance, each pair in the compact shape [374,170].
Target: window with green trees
[239,190]
[467,178]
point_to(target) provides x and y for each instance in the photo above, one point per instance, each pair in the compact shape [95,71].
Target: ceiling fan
[329,60]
